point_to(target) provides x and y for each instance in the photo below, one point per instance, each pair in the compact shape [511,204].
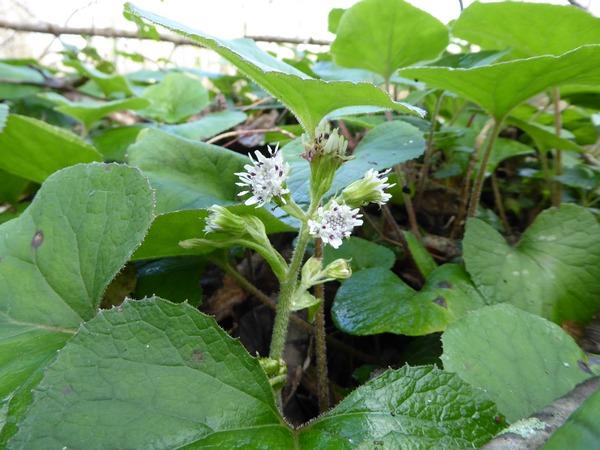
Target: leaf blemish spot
[38,239]
[445,285]
[583,366]
[197,355]
[441,301]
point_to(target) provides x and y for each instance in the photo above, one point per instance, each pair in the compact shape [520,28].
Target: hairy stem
[320,340]
[282,315]
[478,185]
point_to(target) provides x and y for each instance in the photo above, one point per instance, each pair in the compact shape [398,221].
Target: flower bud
[311,272]
[369,189]
[221,220]
[338,270]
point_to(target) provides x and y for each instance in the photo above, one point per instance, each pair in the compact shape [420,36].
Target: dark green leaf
[208,126]
[376,301]
[422,258]
[362,253]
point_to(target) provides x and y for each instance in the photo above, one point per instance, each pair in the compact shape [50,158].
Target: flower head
[371,188]
[220,219]
[265,178]
[334,222]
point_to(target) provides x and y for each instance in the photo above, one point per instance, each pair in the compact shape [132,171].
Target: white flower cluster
[265,178]
[334,223]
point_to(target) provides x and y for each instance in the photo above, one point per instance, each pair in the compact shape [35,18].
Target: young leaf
[412,407]
[384,35]
[89,112]
[33,149]
[308,98]
[376,301]
[153,374]
[553,271]
[527,29]
[177,97]
[57,258]
[498,88]
[522,361]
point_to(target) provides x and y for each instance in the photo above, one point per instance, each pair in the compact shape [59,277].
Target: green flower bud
[221,220]
[369,189]
[338,270]
[311,272]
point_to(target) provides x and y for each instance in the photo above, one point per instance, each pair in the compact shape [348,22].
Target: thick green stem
[478,185]
[282,315]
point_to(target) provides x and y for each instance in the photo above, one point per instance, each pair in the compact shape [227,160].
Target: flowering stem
[282,315]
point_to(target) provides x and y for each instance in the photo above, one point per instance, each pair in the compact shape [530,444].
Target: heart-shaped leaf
[177,97]
[527,29]
[376,301]
[308,98]
[89,112]
[412,407]
[553,271]
[384,35]
[522,361]
[57,258]
[33,149]
[498,88]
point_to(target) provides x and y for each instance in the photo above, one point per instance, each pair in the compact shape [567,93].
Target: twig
[320,340]
[267,301]
[56,30]
[478,184]
[254,131]
[466,187]
[428,150]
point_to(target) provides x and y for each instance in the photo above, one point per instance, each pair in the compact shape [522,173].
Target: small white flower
[369,189]
[265,177]
[334,223]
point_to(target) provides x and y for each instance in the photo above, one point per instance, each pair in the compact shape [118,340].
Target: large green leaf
[152,374]
[522,361]
[207,126]
[308,98]
[553,271]
[11,77]
[11,187]
[33,149]
[382,147]
[408,408]
[186,174]
[111,84]
[498,88]
[545,137]
[376,301]
[114,142]
[57,258]
[177,97]
[384,35]
[582,428]
[527,29]
[88,112]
